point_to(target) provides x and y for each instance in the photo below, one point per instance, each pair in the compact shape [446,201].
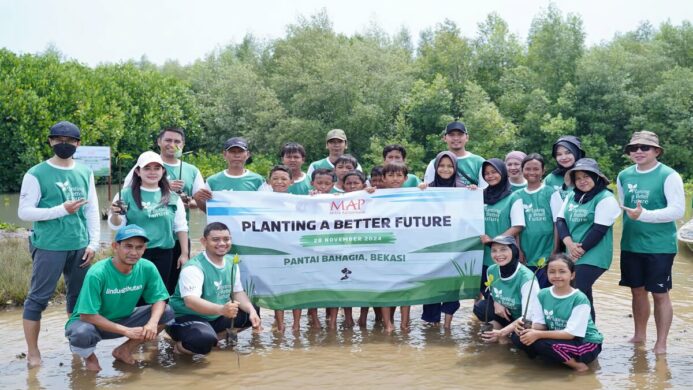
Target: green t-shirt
[558,310]
[222,181]
[114,295]
[508,292]
[537,236]
[57,187]
[412,181]
[648,188]
[301,187]
[216,288]
[189,174]
[155,218]
[579,218]
[471,166]
[496,221]
[557,181]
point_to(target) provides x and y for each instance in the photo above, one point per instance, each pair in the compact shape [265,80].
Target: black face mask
[64,151]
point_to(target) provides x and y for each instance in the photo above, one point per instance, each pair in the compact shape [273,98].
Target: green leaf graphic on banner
[253,250]
[467,244]
[347,239]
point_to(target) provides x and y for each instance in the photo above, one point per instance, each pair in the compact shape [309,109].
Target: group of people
[565,217]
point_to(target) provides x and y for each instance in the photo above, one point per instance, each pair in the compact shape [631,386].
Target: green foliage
[377,87]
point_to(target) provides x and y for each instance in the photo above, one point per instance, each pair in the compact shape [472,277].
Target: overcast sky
[97,31]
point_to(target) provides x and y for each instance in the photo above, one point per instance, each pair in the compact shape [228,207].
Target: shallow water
[424,357]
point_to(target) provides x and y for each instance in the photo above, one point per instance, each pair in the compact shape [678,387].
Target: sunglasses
[634,148]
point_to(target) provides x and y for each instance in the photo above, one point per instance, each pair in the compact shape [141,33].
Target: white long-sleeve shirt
[30,196]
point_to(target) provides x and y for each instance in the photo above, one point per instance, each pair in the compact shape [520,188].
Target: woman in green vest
[150,203]
[585,224]
[503,213]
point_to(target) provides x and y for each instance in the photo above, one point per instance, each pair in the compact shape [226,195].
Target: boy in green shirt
[398,154]
[336,143]
[204,306]
[106,305]
[653,199]
[59,197]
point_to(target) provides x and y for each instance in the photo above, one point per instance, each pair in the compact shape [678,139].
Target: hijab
[574,146]
[507,270]
[452,181]
[494,194]
[584,197]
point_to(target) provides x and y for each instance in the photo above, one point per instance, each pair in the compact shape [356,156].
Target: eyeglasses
[634,148]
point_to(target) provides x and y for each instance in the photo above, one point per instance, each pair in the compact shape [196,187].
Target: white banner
[389,248]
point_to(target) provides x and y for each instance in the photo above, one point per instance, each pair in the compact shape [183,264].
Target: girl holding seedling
[150,203]
[503,213]
[567,151]
[445,176]
[513,288]
[563,330]
[541,204]
[585,224]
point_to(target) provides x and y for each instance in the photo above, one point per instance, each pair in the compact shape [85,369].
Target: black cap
[65,129]
[455,126]
[236,142]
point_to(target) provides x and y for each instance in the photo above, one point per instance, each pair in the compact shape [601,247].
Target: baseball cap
[148,157]
[505,240]
[336,134]
[455,126]
[65,129]
[130,231]
[236,142]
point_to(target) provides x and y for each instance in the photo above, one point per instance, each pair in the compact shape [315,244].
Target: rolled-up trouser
[198,335]
[46,268]
[84,336]
[431,312]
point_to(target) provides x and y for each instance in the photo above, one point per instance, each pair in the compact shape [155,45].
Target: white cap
[147,158]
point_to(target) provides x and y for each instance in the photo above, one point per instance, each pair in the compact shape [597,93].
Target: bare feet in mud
[637,340]
[92,363]
[660,349]
[124,355]
[33,359]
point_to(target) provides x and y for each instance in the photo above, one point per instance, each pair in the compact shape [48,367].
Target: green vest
[471,166]
[556,182]
[496,221]
[537,236]
[302,187]
[648,188]
[249,181]
[557,312]
[189,174]
[515,187]
[579,218]
[66,233]
[216,288]
[508,292]
[156,219]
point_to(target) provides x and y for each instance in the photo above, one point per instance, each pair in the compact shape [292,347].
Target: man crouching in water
[106,307]
[202,301]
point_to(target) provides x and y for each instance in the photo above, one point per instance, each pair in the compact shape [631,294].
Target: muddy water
[425,357]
